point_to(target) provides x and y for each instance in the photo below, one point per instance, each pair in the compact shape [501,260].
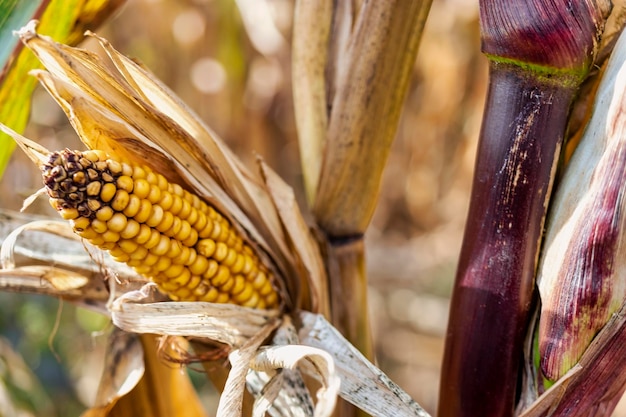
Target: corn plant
[186,242]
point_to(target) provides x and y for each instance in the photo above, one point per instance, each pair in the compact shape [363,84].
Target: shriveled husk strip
[281,392]
[288,357]
[226,323]
[232,398]
[582,270]
[311,266]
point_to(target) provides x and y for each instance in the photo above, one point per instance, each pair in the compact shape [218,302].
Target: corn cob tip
[161,230]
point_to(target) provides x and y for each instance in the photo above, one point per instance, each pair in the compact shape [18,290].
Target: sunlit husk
[582,272]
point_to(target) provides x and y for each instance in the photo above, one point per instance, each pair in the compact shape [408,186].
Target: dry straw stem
[312,22]
[363,110]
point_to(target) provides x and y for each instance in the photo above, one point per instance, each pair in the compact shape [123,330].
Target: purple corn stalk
[539,54]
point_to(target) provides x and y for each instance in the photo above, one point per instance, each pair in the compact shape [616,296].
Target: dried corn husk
[582,272]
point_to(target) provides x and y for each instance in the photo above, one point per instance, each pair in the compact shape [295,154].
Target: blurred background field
[230,61]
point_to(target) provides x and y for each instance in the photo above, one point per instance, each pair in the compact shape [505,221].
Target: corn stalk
[539,55]
[352,62]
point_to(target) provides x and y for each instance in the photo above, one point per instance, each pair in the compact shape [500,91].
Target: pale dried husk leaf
[231,400]
[281,390]
[362,383]
[273,358]
[225,323]
[123,369]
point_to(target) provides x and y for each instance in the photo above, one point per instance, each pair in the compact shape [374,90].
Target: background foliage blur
[230,61]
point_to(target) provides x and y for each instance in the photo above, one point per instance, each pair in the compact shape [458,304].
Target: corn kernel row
[161,230]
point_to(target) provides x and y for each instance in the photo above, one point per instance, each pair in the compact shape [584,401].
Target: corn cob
[161,230]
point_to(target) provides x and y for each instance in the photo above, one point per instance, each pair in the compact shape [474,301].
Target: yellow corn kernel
[108,192]
[222,298]
[161,230]
[117,222]
[144,234]
[221,251]
[110,236]
[139,253]
[131,230]
[174,271]
[206,247]
[221,277]
[133,206]
[120,201]
[128,246]
[69,213]
[252,301]
[211,269]
[174,250]
[187,256]
[125,183]
[99,226]
[166,201]
[200,265]
[177,204]
[245,294]
[166,222]
[105,213]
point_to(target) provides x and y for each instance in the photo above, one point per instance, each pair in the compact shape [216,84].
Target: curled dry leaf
[273,358]
[281,390]
[362,383]
[232,398]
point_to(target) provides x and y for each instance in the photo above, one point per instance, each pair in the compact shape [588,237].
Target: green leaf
[14,14]
[64,21]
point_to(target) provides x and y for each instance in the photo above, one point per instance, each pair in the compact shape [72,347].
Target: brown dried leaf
[311,265]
